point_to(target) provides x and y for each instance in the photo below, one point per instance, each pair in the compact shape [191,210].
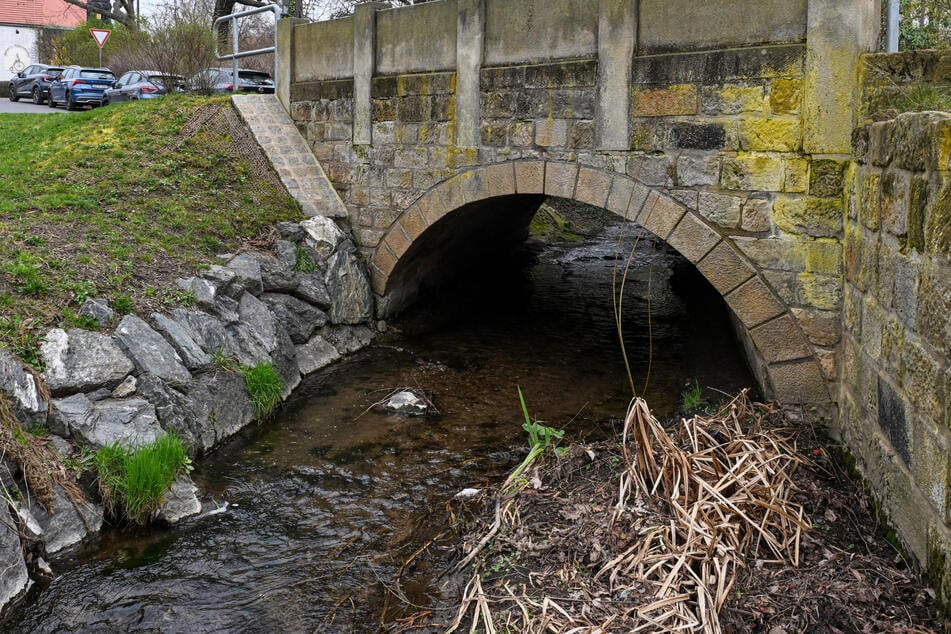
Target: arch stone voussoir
[660,214]
[753,302]
[560,179]
[529,177]
[780,340]
[693,238]
[593,187]
[413,223]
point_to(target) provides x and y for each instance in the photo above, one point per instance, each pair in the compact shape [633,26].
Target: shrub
[133,481]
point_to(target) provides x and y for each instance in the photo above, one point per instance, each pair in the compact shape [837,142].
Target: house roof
[40,13]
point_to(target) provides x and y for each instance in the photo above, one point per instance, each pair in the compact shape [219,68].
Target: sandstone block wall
[895,388]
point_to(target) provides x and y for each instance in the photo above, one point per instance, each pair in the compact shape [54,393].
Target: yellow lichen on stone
[821,291]
[764,135]
[743,98]
[797,175]
[824,256]
[785,96]
[808,215]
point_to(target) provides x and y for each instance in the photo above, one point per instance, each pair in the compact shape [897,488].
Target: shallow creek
[326,502]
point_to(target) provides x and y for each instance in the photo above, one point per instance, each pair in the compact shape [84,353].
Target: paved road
[25,105]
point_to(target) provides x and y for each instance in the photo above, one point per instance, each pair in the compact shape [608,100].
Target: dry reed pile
[692,507]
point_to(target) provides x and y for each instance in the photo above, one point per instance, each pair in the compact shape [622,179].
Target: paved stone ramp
[290,155]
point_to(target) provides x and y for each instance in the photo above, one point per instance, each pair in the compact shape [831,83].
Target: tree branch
[122,18]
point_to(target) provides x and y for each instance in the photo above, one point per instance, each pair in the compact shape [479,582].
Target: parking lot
[25,106]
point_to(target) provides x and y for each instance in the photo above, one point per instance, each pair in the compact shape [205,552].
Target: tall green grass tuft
[264,386]
[133,481]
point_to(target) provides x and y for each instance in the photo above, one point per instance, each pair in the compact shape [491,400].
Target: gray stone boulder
[207,331]
[247,271]
[204,291]
[284,358]
[313,289]
[258,317]
[224,279]
[65,523]
[179,502]
[276,275]
[347,339]
[315,354]
[98,309]
[322,235]
[130,421]
[298,317]
[125,389]
[248,348]
[80,361]
[14,578]
[351,298]
[221,405]
[29,405]
[150,352]
[290,230]
[174,412]
[189,352]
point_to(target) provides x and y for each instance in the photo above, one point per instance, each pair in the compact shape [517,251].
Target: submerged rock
[407,403]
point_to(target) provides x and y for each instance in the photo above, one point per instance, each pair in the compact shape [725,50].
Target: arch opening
[782,358]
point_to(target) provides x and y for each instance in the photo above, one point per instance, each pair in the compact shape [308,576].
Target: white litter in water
[468,493]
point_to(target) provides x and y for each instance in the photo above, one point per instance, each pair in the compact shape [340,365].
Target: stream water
[326,503]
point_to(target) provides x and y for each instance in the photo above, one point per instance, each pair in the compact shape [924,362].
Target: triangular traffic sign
[100,35]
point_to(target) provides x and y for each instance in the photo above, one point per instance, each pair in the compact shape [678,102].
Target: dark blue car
[33,82]
[80,86]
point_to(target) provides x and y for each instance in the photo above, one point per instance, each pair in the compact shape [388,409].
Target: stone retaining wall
[895,382]
[298,308]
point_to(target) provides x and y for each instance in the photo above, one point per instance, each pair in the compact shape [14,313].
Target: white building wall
[17,48]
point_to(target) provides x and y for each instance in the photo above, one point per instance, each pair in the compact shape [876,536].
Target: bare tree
[122,11]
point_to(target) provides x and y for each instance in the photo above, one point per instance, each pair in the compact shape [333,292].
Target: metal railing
[891,27]
[236,53]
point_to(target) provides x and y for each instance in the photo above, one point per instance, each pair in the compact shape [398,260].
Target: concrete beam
[617,41]
[284,73]
[837,33]
[470,37]
[364,64]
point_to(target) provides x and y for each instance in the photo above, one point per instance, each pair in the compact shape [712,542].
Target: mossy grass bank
[119,201]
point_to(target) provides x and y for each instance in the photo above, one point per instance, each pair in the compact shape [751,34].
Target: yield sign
[100,35]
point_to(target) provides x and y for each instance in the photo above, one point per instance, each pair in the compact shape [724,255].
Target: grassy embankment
[118,202]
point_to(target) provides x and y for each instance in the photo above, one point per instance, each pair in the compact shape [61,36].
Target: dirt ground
[554,556]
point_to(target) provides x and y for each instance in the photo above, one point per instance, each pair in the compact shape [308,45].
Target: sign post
[100,35]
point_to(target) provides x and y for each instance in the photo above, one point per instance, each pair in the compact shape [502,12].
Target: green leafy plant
[692,397]
[122,304]
[540,439]
[264,385]
[134,481]
[305,263]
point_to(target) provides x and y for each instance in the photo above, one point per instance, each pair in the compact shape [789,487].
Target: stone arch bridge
[723,127]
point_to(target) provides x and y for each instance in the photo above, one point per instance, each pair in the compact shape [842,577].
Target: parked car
[216,80]
[80,85]
[33,82]
[142,84]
